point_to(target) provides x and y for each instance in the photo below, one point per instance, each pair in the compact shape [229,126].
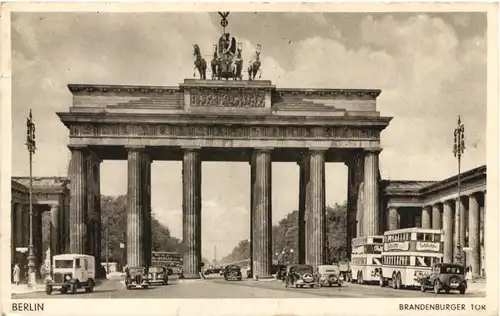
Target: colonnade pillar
[393,219]
[426,217]
[371,194]
[252,208]
[436,217]
[303,181]
[191,212]
[55,232]
[262,225]
[37,238]
[315,209]
[138,216]
[78,192]
[474,256]
[448,232]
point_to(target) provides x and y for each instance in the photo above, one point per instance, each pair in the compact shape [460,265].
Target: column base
[262,277]
[190,277]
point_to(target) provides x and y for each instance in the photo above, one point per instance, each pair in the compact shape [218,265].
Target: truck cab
[71,272]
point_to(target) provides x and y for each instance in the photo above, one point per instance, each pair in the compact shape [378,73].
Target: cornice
[377,122]
[78,89]
[452,181]
[85,89]
[372,93]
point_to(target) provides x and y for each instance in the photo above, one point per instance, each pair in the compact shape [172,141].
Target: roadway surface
[217,287]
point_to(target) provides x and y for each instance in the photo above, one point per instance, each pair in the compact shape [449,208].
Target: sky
[430,68]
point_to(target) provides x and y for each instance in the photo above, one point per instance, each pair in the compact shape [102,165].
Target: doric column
[146,202]
[316,242]
[482,226]
[474,257]
[78,206]
[262,239]
[191,212]
[37,237]
[393,218]
[448,232]
[252,207]
[371,194]
[55,233]
[303,181]
[136,207]
[436,217]
[26,223]
[426,217]
[17,232]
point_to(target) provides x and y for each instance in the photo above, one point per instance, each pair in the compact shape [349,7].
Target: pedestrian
[468,275]
[16,274]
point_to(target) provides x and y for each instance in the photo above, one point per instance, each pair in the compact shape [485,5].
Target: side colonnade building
[434,204]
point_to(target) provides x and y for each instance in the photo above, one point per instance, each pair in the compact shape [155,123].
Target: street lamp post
[31,145]
[458,150]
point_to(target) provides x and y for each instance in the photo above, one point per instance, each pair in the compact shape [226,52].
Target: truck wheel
[90,286]
[64,290]
[437,287]
[48,289]
[399,283]
[462,290]
[74,287]
[422,287]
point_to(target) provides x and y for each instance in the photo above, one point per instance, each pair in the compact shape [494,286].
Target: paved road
[216,287]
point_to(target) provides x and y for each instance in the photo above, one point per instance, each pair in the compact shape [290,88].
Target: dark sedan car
[232,272]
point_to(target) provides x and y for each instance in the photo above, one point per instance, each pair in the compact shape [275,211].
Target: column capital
[73,147]
[191,148]
[372,150]
[261,150]
[135,148]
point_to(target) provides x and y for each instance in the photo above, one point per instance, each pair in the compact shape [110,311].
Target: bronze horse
[254,65]
[238,66]
[199,63]
[215,63]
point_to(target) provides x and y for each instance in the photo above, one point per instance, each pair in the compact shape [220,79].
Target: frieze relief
[215,131]
[228,99]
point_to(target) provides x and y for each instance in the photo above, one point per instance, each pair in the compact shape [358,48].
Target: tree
[240,252]
[114,218]
[285,237]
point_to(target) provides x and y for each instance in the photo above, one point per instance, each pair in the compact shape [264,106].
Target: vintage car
[444,276]
[158,275]
[232,271]
[300,275]
[328,275]
[71,272]
[136,277]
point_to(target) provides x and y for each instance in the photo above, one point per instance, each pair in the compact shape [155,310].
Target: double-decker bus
[408,254]
[168,259]
[366,259]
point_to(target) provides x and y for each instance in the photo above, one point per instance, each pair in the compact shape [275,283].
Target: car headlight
[67,277]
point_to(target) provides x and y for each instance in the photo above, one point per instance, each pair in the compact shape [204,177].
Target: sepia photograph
[251,154]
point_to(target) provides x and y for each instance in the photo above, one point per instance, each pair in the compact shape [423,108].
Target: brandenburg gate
[219,120]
